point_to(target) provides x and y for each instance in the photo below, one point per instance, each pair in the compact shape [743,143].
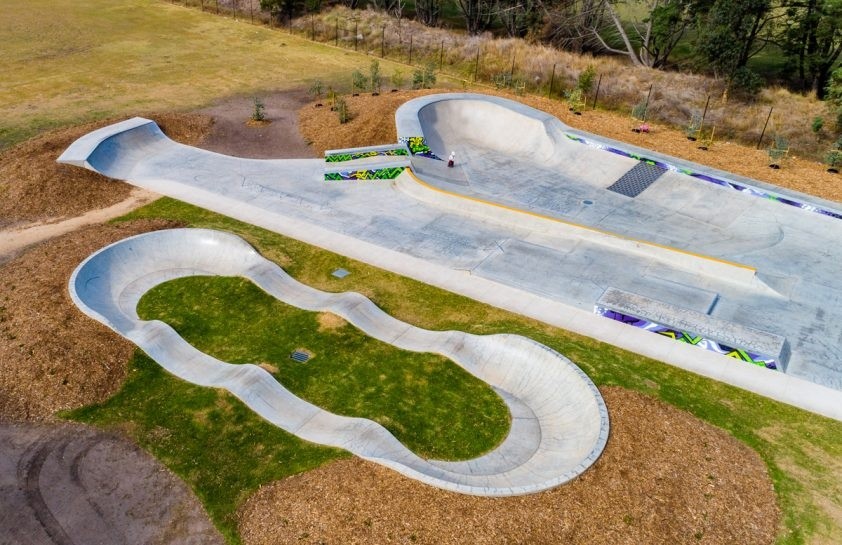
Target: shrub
[746,82]
[575,99]
[358,81]
[397,79]
[817,125]
[424,78]
[586,79]
[694,127]
[342,112]
[374,77]
[316,89]
[259,112]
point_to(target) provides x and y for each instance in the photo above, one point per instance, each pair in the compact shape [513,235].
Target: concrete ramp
[559,420]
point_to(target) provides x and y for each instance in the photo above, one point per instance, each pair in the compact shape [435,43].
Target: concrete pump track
[591,235]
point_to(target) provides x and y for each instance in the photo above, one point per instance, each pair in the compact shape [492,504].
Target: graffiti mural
[389,173]
[352,156]
[753,191]
[418,146]
[688,338]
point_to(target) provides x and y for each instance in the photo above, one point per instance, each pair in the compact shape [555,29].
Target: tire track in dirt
[74,485]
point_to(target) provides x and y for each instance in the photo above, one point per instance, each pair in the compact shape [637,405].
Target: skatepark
[549,222]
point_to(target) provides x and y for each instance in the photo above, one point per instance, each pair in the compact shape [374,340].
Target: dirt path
[58,488]
[13,241]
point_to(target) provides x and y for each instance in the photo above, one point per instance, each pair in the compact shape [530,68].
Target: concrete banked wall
[559,421]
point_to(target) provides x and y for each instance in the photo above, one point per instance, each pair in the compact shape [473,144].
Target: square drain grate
[340,273]
[635,181]
[299,356]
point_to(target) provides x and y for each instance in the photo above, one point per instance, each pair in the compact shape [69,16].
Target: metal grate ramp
[635,181]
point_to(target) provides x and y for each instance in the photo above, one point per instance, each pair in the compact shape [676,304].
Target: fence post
[355,34]
[410,49]
[234,5]
[646,106]
[704,115]
[217,7]
[383,42]
[313,28]
[596,95]
[512,72]
[763,132]
[251,11]
[336,33]
[441,54]
[552,81]
[476,65]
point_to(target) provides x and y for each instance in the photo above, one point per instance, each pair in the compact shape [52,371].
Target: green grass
[802,451]
[66,62]
[207,436]
[430,404]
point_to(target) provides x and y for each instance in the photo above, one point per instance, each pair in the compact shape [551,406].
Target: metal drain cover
[300,357]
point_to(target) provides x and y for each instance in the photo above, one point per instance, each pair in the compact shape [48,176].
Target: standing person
[451,159]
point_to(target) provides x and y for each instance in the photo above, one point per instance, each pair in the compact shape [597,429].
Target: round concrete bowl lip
[559,419]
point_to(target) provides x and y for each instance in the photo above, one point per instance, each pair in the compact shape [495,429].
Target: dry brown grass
[34,188]
[665,477]
[373,123]
[676,95]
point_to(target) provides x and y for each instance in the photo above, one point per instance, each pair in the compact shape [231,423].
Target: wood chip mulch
[664,477]
[34,188]
[373,122]
[53,357]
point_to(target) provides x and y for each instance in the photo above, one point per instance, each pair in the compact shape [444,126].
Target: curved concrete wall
[559,421]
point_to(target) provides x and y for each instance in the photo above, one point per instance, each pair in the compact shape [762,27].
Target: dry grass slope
[675,97]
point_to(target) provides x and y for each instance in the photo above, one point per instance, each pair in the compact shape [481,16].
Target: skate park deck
[526,222]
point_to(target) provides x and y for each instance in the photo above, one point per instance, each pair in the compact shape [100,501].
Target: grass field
[202,434]
[105,58]
[431,405]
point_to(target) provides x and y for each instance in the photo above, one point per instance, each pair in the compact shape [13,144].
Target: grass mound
[430,404]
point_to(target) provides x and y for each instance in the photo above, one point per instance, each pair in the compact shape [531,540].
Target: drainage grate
[340,273]
[635,181]
[300,357]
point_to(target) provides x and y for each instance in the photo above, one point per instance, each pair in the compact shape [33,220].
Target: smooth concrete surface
[526,267]
[559,421]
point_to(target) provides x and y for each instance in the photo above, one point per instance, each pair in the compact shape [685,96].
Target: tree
[812,38]
[428,11]
[833,95]
[478,14]
[646,42]
[520,17]
[570,23]
[731,32]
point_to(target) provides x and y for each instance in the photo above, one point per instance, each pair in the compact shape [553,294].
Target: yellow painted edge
[576,225]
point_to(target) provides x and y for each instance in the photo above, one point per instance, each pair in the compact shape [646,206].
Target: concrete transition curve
[559,423]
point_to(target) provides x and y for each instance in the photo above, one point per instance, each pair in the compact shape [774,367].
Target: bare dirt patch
[373,122]
[665,477]
[52,357]
[59,487]
[329,321]
[233,133]
[34,188]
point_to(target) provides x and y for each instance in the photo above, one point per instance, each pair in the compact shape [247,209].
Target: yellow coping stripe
[575,225]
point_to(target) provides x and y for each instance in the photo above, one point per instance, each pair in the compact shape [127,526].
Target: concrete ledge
[382,147]
[728,333]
